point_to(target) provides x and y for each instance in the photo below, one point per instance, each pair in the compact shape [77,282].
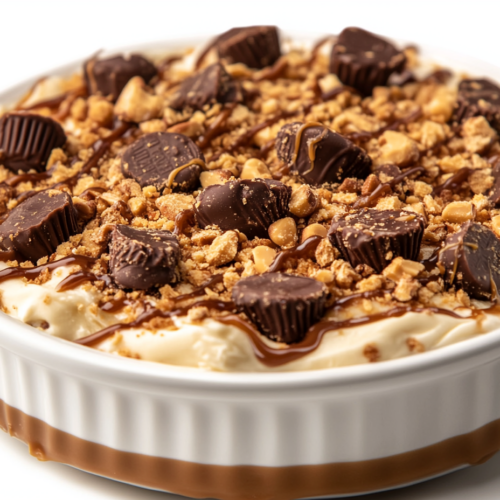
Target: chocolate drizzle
[32,273]
[454,182]
[301,251]
[95,338]
[385,188]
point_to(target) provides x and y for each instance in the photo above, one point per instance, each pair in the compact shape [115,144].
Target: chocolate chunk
[375,237]
[470,259]
[250,206]
[478,98]
[282,306]
[321,155]
[363,60]
[143,258]
[254,46]
[153,159]
[37,226]
[206,87]
[27,139]
[108,76]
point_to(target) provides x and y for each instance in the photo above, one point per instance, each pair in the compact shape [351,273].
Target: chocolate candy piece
[39,224]
[363,60]
[152,160]
[254,46]
[375,237]
[143,258]
[478,97]
[282,306]
[250,206]
[471,260]
[321,155]
[108,76]
[207,87]
[27,139]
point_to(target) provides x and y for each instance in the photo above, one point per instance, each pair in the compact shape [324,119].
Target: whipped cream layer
[71,314]
[211,345]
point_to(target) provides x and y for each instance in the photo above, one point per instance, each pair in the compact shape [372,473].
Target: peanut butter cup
[254,46]
[36,227]
[364,60]
[478,97]
[470,259]
[282,306]
[27,139]
[375,237]
[319,155]
[163,159]
[108,76]
[206,87]
[143,258]
[250,206]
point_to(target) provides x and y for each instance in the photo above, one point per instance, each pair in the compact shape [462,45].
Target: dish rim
[43,348]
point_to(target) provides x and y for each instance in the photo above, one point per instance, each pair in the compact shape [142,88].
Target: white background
[38,35]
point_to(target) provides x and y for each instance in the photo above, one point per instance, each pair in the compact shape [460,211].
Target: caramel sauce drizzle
[385,188]
[298,138]
[303,250]
[32,273]
[172,175]
[312,149]
[183,219]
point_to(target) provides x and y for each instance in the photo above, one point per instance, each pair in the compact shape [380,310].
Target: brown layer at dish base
[243,482]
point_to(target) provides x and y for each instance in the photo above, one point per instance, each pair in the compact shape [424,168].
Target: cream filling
[211,345]
[70,315]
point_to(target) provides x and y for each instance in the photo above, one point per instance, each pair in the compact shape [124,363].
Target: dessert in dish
[255,205]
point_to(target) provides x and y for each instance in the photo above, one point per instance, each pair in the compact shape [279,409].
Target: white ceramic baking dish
[275,436]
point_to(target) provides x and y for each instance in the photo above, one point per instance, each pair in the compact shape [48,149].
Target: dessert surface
[255,204]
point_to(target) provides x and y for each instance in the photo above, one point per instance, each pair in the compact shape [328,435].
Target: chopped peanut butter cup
[36,227]
[250,206]
[207,87]
[254,46]
[109,76]
[470,259]
[27,139]
[163,159]
[375,237]
[363,60]
[479,97]
[143,258]
[282,306]
[319,155]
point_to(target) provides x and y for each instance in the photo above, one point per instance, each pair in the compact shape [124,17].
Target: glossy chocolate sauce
[273,72]
[385,188]
[454,182]
[272,357]
[303,250]
[216,128]
[200,291]
[365,136]
[95,338]
[75,279]
[32,273]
